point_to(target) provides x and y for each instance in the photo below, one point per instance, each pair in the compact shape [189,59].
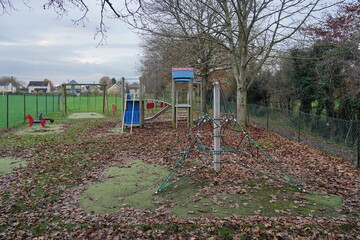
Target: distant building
[7,87]
[114,89]
[134,90]
[73,89]
[38,86]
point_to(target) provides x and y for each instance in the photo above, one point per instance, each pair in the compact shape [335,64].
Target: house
[133,90]
[114,89]
[38,86]
[73,89]
[7,87]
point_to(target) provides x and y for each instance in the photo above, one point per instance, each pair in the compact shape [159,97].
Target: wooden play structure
[133,114]
[182,94]
[183,106]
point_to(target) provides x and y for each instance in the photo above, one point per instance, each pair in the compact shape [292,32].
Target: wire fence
[14,107]
[86,102]
[339,134]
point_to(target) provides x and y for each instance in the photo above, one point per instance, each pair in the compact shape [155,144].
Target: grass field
[13,108]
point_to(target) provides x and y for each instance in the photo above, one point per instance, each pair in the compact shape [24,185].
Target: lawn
[13,108]
[84,180]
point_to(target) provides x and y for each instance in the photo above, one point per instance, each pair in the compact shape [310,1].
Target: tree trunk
[203,96]
[241,95]
[242,88]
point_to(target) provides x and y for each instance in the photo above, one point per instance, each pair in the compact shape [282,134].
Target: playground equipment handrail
[123,116]
[132,114]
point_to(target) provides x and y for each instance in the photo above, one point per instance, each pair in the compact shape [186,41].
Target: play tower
[182,101]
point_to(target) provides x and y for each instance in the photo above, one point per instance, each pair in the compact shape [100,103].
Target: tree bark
[241,97]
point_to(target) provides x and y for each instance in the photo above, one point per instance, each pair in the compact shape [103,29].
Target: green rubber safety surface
[135,186]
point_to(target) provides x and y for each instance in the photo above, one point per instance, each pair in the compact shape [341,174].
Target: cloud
[35,44]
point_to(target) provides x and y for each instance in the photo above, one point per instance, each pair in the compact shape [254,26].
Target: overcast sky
[35,44]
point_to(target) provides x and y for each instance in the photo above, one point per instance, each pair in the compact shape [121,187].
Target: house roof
[4,83]
[115,86]
[38,84]
[72,82]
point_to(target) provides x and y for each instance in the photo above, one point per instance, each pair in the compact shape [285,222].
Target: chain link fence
[334,135]
[14,107]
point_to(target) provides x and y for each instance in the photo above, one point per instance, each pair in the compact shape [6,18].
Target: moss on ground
[133,186]
[136,185]
[38,130]
[8,164]
[85,115]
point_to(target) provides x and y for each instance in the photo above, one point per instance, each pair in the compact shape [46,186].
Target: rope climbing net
[217,141]
[194,151]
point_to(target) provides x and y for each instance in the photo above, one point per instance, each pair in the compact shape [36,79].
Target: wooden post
[104,99]
[217,128]
[122,99]
[173,112]
[141,103]
[191,93]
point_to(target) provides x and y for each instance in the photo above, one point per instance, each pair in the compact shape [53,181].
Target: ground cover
[135,185]
[85,115]
[8,164]
[38,130]
[14,107]
[55,194]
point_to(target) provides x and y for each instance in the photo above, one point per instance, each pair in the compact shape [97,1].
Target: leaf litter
[40,200]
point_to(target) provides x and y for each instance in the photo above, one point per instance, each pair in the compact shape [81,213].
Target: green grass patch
[266,144]
[38,130]
[85,115]
[8,164]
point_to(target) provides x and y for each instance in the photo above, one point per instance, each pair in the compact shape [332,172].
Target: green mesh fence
[86,102]
[14,107]
[338,132]
[335,130]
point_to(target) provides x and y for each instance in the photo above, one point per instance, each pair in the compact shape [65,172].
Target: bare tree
[246,30]
[50,83]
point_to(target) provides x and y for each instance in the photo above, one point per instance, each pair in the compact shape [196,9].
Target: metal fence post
[24,107]
[37,105]
[46,103]
[299,126]
[7,110]
[358,144]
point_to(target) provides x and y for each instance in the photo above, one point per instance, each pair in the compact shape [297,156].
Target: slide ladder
[182,114]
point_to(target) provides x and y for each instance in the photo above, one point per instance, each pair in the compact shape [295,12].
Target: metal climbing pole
[217,128]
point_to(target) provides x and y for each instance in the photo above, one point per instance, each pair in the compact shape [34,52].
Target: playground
[102,178]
